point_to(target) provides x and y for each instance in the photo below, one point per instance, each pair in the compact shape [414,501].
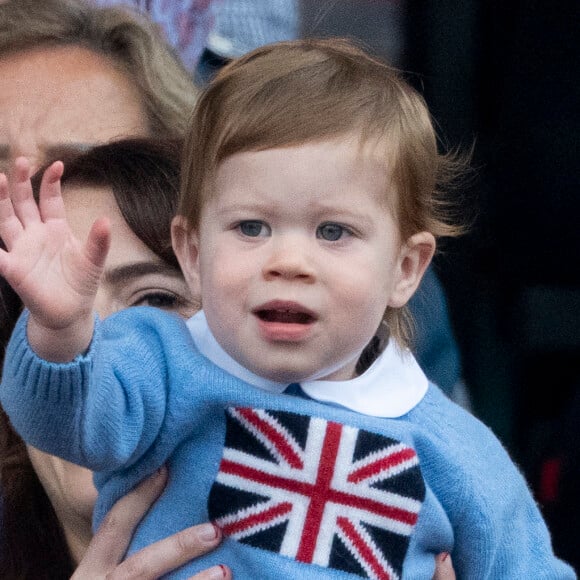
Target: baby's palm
[55,275]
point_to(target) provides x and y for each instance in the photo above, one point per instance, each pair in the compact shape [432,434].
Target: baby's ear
[414,258]
[185,242]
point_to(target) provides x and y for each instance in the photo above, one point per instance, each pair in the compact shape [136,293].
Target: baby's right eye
[254,228]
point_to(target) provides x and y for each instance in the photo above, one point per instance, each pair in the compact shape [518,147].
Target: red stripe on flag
[382,464]
[309,489]
[362,548]
[322,493]
[277,439]
[257,519]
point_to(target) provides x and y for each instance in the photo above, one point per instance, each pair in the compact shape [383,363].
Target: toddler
[312,198]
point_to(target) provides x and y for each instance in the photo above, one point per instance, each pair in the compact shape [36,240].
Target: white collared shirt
[390,387]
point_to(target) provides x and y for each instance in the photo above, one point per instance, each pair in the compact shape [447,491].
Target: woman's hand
[104,556]
[55,275]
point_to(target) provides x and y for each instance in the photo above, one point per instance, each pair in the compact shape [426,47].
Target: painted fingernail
[217,572]
[208,532]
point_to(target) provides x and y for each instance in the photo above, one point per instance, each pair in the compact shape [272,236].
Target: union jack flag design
[317,491]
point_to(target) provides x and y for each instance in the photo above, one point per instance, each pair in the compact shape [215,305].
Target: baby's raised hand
[55,274]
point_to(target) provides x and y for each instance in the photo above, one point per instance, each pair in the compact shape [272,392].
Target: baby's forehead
[352,145]
[317,174]
[343,156]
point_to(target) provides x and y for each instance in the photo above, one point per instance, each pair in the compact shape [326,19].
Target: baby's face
[298,257]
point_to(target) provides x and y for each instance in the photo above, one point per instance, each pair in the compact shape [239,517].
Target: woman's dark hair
[143,175]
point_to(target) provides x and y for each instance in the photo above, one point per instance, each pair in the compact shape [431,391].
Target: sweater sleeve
[103,409]
[504,524]
[499,530]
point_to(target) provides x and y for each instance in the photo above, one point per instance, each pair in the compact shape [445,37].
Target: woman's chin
[69,487]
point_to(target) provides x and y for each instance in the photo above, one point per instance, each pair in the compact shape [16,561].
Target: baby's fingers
[23,201]
[50,198]
[98,242]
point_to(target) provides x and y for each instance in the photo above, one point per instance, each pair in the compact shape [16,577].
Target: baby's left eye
[332,232]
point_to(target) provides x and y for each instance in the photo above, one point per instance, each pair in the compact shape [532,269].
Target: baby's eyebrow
[119,274]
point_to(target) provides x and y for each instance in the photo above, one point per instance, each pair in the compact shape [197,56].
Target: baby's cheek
[364,306]
[232,271]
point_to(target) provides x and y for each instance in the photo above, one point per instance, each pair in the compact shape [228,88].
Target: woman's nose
[105,304]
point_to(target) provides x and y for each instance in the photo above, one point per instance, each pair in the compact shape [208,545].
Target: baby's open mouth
[288,316]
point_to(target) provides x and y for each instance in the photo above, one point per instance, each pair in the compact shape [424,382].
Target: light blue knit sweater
[304,490]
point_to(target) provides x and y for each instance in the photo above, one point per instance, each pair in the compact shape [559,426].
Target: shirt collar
[390,387]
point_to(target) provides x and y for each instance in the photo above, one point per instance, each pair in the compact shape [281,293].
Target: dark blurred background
[501,76]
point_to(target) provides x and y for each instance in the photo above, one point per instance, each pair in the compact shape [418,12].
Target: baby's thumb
[98,242]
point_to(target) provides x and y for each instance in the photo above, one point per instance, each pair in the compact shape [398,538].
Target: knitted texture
[317,491]
[383,496]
